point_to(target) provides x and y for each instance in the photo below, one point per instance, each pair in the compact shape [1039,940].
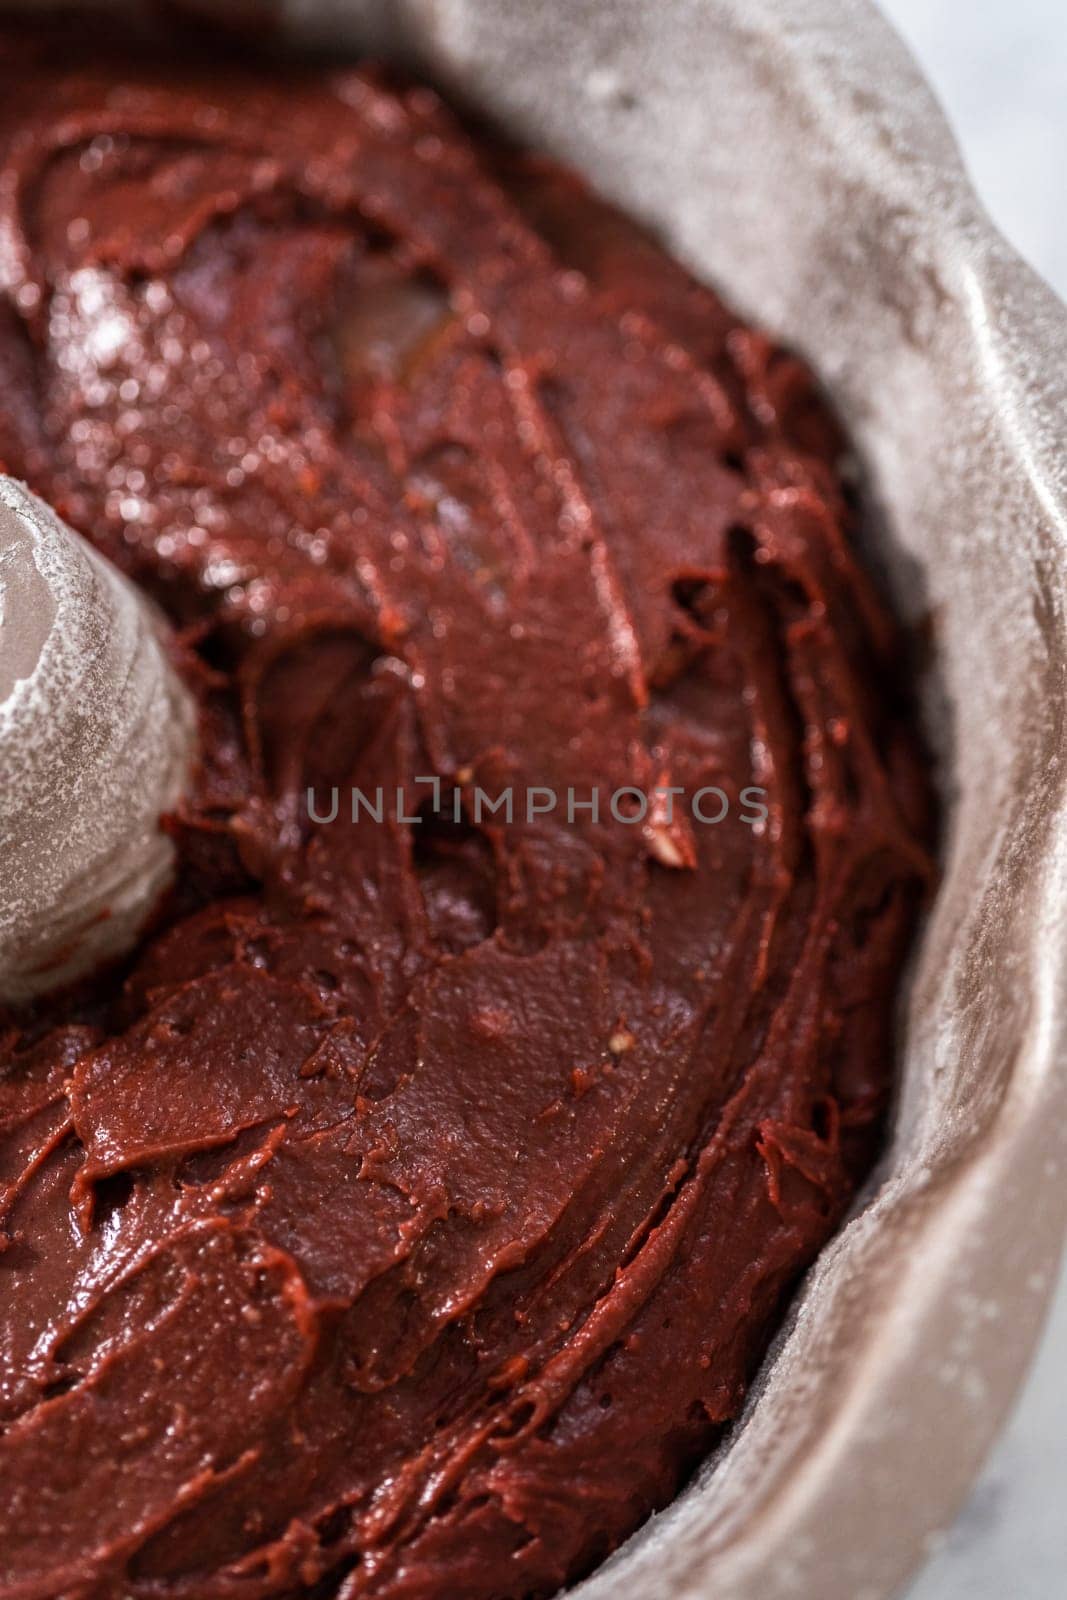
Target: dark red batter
[411,1214]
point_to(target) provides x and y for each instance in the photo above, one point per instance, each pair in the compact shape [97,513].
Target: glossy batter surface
[411,1213]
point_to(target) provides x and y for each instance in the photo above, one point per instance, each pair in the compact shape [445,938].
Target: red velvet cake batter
[410,1214]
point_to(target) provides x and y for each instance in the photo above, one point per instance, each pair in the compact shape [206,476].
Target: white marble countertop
[1001,73]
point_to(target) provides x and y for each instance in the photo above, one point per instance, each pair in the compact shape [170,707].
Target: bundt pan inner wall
[790,152]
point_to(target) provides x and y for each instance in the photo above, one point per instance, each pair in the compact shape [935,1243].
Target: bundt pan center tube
[790,154]
[96,743]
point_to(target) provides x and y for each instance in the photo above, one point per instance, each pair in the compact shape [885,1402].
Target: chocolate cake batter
[411,1213]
